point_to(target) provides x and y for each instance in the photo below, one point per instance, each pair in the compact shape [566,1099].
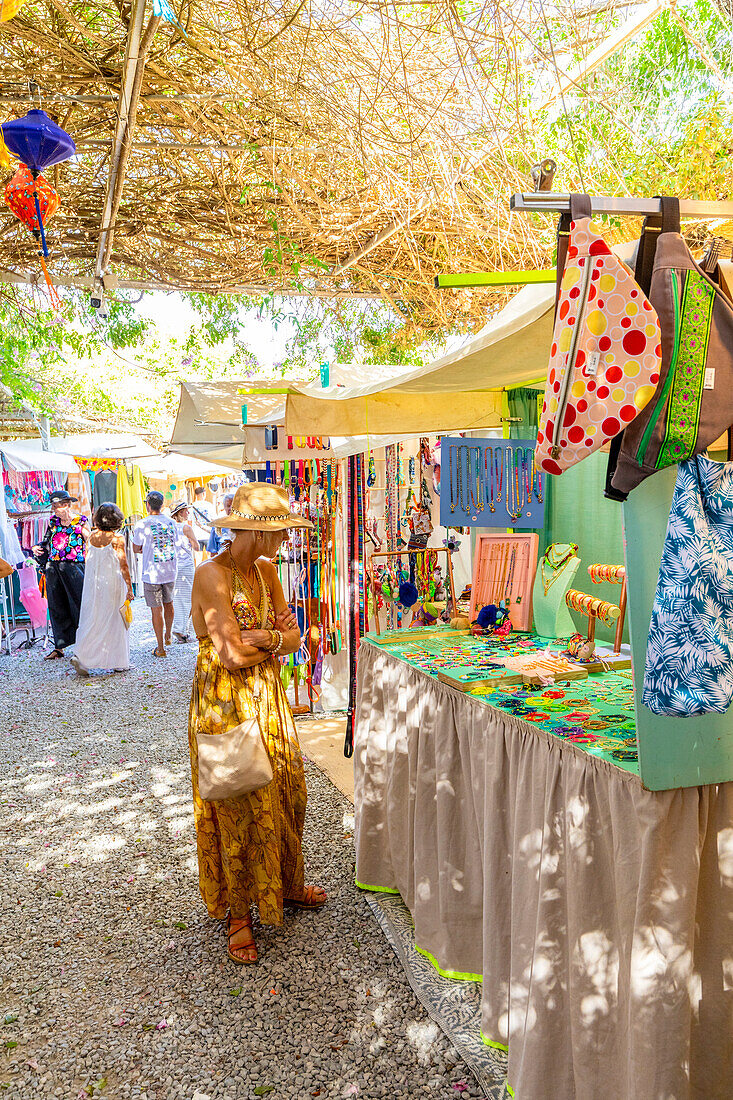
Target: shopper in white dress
[186,546]
[102,639]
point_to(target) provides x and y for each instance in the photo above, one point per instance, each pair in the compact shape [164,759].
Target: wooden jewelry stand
[494,578]
[600,609]
[407,554]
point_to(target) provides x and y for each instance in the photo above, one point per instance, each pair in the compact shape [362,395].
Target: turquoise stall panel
[673,752]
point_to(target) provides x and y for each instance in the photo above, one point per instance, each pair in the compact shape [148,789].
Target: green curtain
[522,403]
[577,511]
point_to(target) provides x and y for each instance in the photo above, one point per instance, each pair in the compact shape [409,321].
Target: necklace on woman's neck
[243,573]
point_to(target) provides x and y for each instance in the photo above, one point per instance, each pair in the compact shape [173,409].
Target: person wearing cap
[65,543]
[249,847]
[155,538]
[186,546]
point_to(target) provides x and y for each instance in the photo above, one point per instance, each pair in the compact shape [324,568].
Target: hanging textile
[77,485]
[130,490]
[95,464]
[522,403]
[10,548]
[29,491]
[104,489]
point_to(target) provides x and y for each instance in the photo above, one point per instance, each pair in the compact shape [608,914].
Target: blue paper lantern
[37,141]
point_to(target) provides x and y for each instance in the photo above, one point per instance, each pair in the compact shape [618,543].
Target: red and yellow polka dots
[602,375]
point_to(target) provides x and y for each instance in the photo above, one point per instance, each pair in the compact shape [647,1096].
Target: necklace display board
[490,483]
[503,572]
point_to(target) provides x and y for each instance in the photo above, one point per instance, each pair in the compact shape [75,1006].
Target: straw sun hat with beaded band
[259,506]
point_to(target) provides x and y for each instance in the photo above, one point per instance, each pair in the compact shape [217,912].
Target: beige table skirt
[599,914]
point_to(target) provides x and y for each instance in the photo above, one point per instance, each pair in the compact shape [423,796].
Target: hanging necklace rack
[488,479]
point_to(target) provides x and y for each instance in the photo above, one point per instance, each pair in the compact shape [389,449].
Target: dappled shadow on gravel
[114,981]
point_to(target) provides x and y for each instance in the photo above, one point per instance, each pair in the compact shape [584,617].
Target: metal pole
[549,202]
[8,632]
[45,429]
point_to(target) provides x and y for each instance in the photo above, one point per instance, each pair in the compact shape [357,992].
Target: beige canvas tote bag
[235,762]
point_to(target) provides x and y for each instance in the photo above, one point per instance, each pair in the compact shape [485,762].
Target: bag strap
[580,207]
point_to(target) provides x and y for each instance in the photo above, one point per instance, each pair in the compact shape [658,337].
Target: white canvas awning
[27,457]
[97,445]
[460,389]
[179,467]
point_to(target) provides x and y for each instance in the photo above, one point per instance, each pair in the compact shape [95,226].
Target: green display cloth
[595,714]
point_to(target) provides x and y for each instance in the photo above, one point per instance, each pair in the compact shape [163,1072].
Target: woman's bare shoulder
[212,573]
[103,538]
[267,568]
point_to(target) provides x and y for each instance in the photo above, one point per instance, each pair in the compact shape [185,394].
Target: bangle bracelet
[279,643]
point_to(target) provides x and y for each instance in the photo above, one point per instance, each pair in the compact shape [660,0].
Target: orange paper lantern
[29,199]
[20,198]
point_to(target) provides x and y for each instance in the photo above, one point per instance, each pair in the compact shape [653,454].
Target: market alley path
[115,983]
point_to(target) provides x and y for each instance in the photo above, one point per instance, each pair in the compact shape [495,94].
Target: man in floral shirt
[66,543]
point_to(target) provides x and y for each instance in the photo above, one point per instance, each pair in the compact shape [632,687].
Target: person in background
[201,516]
[65,542]
[219,539]
[102,640]
[186,546]
[155,538]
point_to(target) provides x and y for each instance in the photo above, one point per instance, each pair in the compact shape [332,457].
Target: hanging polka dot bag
[606,352]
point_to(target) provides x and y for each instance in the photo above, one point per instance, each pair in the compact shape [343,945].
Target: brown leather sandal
[307,901]
[243,925]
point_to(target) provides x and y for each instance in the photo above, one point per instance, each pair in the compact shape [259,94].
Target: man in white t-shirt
[155,538]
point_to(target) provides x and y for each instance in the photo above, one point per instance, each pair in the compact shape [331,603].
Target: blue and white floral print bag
[689,656]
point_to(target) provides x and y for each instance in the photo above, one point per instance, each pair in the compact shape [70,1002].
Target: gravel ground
[114,982]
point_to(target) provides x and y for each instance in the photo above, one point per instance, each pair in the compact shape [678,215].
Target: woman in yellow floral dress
[249,848]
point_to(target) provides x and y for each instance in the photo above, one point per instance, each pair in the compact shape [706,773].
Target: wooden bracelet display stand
[607,613]
[407,554]
[495,580]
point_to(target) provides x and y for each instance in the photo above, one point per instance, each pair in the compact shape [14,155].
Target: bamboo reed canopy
[327,147]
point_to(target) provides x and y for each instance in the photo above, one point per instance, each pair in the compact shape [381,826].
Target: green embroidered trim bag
[692,405]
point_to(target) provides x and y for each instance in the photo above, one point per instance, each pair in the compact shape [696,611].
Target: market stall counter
[598,914]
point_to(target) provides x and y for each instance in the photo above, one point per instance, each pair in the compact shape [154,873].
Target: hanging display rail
[668,755]
[549,202]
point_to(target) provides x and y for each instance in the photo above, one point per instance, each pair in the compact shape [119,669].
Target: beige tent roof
[366,406]
[461,389]
[209,419]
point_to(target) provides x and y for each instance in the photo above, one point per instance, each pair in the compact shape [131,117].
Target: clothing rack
[9,618]
[550,202]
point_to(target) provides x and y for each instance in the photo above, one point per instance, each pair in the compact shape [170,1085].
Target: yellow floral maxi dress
[249,848]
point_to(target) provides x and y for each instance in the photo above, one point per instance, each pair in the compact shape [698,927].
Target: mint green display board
[577,511]
[673,752]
